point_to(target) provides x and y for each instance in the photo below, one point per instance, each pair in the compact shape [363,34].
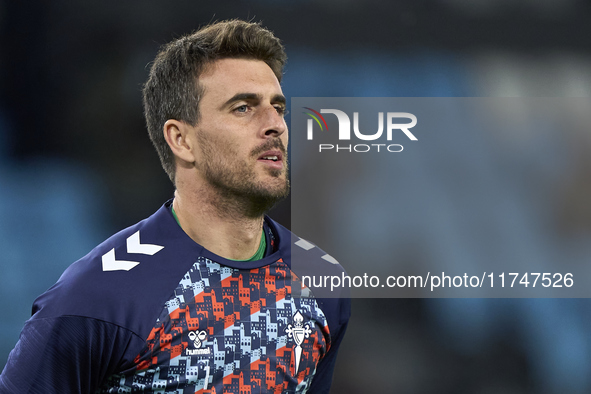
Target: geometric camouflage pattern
[229,330]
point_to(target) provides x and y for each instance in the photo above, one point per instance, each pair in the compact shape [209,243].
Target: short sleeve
[67,354]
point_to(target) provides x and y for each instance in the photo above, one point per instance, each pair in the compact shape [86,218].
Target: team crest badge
[299,331]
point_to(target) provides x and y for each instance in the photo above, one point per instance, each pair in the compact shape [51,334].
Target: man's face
[241,134]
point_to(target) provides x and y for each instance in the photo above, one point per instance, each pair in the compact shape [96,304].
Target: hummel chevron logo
[133,246]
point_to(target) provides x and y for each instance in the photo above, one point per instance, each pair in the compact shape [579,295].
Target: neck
[219,224]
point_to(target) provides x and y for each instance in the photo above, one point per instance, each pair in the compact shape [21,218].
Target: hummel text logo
[198,339]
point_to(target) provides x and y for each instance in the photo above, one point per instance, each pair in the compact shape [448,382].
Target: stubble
[234,180]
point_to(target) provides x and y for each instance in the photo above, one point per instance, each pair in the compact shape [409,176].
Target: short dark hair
[172,90]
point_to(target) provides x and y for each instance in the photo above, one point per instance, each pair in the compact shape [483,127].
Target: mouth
[272,158]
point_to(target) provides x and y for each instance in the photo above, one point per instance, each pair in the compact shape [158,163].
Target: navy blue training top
[149,310]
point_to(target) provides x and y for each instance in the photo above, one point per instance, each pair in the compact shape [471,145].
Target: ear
[178,135]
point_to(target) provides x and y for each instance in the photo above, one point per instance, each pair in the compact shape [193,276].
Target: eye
[281,110]
[242,109]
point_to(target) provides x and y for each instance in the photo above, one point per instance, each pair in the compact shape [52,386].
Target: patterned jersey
[149,310]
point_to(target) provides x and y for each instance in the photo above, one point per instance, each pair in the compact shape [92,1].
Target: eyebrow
[278,98]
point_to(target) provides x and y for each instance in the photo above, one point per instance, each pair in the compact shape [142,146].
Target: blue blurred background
[76,164]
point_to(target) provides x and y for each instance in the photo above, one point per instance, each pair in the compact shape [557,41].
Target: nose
[273,123]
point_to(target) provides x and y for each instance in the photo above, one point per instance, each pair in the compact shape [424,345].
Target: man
[199,297]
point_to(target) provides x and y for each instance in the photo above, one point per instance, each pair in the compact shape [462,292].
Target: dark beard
[246,198]
[256,204]
[236,188]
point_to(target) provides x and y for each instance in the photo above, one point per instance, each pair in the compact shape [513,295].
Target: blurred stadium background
[76,164]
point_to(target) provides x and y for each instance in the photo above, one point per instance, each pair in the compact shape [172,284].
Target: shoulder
[307,259]
[314,268]
[125,279]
